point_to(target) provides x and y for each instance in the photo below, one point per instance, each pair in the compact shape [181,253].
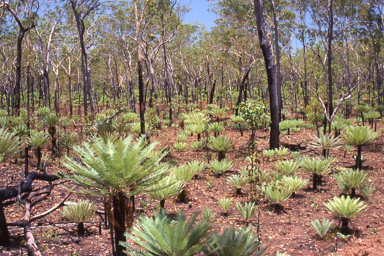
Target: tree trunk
[119,212]
[271,74]
[278,78]
[140,70]
[330,34]
[358,158]
[4,234]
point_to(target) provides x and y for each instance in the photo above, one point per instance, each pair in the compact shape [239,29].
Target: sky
[199,13]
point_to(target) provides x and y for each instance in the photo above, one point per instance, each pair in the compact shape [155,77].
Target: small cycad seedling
[294,183]
[221,166]
[366,191]
[225,204]
[248,211]
[180,146]
[270,153]
[79,212]
[287,167]
[38,139]
[351,180]
[346,208]
[182,137]
[166,188]
[237,182]
[321,228]
[281,152]
[216,128]
[277,193]
[221,145]
[295,154]
[233,242]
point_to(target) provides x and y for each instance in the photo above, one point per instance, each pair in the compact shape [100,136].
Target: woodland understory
[125,131]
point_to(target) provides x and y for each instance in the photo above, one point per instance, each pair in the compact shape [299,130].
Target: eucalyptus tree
[270,67]
[81,10]
[46,30]
[24,13]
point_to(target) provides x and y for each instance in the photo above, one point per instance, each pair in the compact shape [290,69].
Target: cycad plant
[294,183]
[346,208]
[371,116]
[281,152]
[79,212]
[163,236]
[221,166]
[182,137]
[248,211]
[197,128]
[50,121]
[237,182]
[9,143]
[166,188]
[321,228]
[287,167]
[277,193]
[238,120]
[243,242]
[38,139]
[225,204]
[351,179]
[220,144]
[216,128]
[325,143]
[359,136]
[117,169]
[270,153]
[318,167]
[180,146]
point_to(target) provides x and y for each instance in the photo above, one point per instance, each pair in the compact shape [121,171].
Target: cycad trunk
[221,155]
[314,182]
[358,157]
[119,213]
[344,224]
[80,228]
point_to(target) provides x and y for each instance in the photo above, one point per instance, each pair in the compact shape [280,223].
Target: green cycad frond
[325,141]
[372,115]
[237,181]
[248,211]
[276,193]
[359,135]
[196,118]
[43,111]
[122,166]
[220,143]
[288,167]
[80,211]
[196,128]
[269,153]
[161,236]
[221,166]
[9,143]
[50,120]
[241,242]
[225,204]
[351,179]
[166,188]
[182,137]
[216,127]
[321,228]
[345,207]
[187,171]
[38,138]
[320,166]
[237,119]
[294,184]
[281,151]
